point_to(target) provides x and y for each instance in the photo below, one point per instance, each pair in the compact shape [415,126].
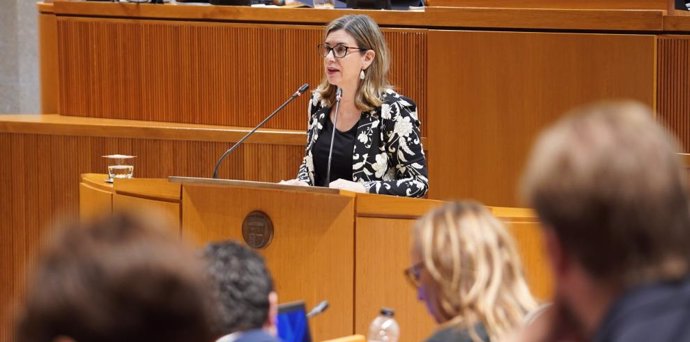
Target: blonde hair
[475,267]
[368,36]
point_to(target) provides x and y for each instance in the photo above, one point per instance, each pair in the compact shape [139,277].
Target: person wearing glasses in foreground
[377,144]
[468,273]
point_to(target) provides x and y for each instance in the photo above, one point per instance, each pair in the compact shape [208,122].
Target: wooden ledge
[514,214]
[563,4]
[45,7]
[97,181]
[677,23]
[53,124]
[372,205]
[206,12]
[236,183]
[431,17]
[548,18]
[158,189]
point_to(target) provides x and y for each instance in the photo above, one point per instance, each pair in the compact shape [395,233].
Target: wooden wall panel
[383,252]
[674,86]
[507,87]
[7,240]
[48,54]
[93,202]
[312,250]
[211,73]
[39,185]
[409,64]
[170,211]
[525,228]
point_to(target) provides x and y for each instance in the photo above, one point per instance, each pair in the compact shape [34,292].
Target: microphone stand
[299,92]
[338,94]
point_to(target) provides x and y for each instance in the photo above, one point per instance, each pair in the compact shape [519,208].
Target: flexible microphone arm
[338,94]
[318,309]
[299,92]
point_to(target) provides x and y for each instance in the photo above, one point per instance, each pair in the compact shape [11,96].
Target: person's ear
[272,319]
[368,58]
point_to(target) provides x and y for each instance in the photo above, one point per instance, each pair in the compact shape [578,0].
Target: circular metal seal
[257,229]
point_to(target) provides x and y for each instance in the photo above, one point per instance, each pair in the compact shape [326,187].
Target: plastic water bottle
[384,328]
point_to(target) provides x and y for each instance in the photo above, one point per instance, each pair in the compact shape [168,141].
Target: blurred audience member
[245,298]
[467,271]
[117,278]
[612,197]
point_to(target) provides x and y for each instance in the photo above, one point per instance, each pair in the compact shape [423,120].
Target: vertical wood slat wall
[493,92]
[208,73]
[673,88]
[39,185]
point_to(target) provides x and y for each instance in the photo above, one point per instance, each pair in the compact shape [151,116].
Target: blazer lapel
[317,126]
[367,127]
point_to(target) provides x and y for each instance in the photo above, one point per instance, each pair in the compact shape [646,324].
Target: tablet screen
[293,325]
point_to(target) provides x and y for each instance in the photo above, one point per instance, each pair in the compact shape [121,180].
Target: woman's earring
[361,74]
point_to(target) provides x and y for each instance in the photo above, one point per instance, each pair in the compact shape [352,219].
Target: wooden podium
[350,249]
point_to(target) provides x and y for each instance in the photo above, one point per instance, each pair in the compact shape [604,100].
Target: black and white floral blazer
[388,157]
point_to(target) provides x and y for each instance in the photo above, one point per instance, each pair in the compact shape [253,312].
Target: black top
[387,158]
[341,160]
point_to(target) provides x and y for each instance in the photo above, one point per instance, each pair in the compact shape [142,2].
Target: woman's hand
[293,182]
[347,185]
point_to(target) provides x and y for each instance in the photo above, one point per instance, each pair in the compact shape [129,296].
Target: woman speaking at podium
[362,135]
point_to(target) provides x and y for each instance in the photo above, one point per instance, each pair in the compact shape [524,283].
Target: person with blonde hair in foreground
[467,270]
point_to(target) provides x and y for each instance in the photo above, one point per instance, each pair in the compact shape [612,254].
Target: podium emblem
[257,229]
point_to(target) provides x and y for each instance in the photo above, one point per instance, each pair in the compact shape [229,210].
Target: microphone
[338,95]
[318,309]
[297,93]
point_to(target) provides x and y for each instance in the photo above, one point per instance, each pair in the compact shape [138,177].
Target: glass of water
[119,167]
[330,4]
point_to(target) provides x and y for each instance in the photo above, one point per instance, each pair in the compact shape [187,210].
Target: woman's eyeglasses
[413,273]
[339,51]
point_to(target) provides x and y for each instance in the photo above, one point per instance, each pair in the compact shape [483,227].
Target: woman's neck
[348,107]
[347,102]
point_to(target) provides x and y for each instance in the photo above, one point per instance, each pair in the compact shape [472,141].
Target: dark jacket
[455,334]
[657,312]
[388,157]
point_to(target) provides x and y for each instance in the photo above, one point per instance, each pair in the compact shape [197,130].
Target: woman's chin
[333,81]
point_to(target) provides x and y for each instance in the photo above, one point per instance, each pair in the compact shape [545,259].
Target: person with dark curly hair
[246,301]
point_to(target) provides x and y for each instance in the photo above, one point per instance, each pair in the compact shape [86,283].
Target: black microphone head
[303,88]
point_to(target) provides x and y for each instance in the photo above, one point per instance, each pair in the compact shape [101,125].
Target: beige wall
[19,84]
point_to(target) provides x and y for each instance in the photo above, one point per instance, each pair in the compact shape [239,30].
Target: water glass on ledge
[119,166]
[330,4]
